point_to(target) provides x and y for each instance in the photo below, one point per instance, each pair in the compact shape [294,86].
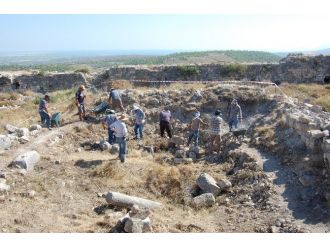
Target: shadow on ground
[88,163]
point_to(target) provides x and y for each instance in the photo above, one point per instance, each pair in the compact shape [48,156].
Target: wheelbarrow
[100,109]
[56,119]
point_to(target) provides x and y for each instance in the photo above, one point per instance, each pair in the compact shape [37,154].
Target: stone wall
[293,69]
[42,83]
[313,127]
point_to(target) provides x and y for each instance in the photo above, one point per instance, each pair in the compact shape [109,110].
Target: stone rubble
[208,184]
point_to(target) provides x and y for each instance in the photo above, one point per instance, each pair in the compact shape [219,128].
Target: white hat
[135,107]
[197,114]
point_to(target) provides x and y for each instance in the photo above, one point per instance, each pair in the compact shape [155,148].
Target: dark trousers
[165,126]
[112,138]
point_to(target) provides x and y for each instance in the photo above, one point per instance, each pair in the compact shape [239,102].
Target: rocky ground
[247,187]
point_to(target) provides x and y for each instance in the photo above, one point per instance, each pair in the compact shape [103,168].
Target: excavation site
[270,175]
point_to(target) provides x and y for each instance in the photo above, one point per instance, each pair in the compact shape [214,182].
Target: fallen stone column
[122,200]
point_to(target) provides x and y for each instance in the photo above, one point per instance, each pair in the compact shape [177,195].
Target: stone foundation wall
[42,83]
[293,69]
[313,127]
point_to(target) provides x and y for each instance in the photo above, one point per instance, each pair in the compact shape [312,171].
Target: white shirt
[119,128]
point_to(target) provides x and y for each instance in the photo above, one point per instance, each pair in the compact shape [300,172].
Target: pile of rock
[180,157]
[137,220]
[17,134]
[210,188]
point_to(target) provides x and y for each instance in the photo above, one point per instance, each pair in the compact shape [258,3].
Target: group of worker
[117,130]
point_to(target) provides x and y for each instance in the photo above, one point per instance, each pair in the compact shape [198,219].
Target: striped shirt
[216,122]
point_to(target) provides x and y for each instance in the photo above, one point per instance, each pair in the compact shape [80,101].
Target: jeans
[112,138]
[138,129]
[122,147]
[194,135]
[81,109]
[233,122]
[45,118]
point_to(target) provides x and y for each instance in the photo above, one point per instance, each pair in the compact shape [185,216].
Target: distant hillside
[323,51]
[55,62]
[220,57]
[311,53]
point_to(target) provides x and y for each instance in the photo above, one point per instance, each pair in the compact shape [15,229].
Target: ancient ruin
[276,178]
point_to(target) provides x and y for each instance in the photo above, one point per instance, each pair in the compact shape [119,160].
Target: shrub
[84,69]
[233,70]
[188,70]
[41,73]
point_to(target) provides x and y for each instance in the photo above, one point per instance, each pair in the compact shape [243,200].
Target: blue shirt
[139,116]
[114,94]
[110,119]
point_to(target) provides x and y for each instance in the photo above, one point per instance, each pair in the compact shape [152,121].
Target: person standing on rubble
[234,115]
[44,113]
[107,122]
[164,122]
[80,102]
[195,125]
[121,133]
[215,131]
[115,100]
[139,119]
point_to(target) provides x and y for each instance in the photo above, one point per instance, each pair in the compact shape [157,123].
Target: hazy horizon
[155,33]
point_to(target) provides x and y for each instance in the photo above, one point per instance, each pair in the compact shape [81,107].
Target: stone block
[22,132]
[5,142]
[27,160]
[35,127]
[203,200]
[224,184]
[208,184]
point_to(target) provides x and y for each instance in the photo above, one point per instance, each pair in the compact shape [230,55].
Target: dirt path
[288,192]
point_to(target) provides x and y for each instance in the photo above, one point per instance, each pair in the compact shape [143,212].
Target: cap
[82,87]
[109,111]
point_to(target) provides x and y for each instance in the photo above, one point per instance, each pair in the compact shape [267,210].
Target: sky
[275,33]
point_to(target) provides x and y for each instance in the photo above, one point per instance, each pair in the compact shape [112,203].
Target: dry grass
[183,86]
[168,181]
[318,94]
[122,84]
[266,136]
